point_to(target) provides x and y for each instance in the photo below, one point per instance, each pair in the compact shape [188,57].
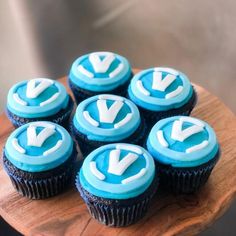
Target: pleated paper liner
[185,180]
[41,189]
[41,185]
[118,213]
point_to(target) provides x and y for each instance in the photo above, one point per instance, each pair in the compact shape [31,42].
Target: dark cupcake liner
[87,146]
[118,213]
[118,216]
[151,117]
[185,180]
[41,185]
[61,118]
[41,189]
[82,94]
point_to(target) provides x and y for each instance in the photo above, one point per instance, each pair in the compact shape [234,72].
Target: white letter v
[162,84]
[101,66]
[108,115]
[33,91]
[37,140]
[118,167]
[180,135]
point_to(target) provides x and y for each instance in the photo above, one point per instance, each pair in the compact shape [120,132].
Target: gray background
[42,38]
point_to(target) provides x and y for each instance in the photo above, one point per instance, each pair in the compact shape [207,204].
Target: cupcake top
[38,146]
[160,89]
[106,118]
[117,171]
[37,98]
[182,141]
[100,71]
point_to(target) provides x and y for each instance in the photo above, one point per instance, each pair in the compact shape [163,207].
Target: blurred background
[42,38]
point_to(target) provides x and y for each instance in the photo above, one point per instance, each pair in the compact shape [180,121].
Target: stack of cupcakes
[134,132]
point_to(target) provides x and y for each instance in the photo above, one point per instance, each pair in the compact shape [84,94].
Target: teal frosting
[101,82]
[157,101]
[112,186]
[33,108]
[106,131]
[175,154]
[33,159]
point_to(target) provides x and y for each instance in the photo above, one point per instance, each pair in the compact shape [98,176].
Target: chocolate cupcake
[105,119]
[39,158]
[97,73]
[185,150]
[162,92]
[117,182]
[39,100]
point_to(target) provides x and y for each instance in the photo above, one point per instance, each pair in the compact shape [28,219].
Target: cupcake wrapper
[82,94]
[118,213]
[118,216]
[40,185]
[87,146]
[185,180]
[40,189]
[61,118]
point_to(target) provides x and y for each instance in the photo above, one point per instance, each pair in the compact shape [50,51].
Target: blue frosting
[156,101]
[175,154]
[33,160]
[101,82]
[112,186]
[33,108]
[106,131]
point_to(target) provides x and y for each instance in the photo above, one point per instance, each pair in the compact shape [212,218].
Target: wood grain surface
[66,214]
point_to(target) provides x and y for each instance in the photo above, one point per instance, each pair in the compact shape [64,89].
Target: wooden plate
[66,214]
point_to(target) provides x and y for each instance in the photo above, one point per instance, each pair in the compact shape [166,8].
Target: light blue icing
[101,81]
[105,131]
[111,187]
[175,154]
[156,101]
[33,108]
[33,159]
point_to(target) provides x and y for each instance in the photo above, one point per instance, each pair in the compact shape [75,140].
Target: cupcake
[105,119]
[97,73]
[185,150]
[162,92]
[39,158]
[37,100]
[117,182]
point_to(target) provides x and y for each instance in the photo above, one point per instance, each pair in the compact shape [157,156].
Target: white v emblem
[33,91]
[37,140]
[108,115]
[162,84]
[118,167]
[101,66]
[180,135]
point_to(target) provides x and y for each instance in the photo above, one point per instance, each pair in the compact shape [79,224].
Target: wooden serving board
[66,214]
